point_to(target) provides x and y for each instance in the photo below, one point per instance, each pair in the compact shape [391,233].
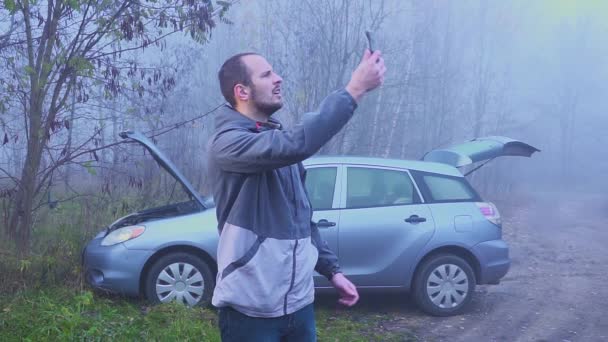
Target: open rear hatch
[478,150]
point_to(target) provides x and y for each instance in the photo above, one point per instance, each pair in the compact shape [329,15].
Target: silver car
[416,226]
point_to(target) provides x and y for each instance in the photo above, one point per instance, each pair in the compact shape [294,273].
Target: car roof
[424,166]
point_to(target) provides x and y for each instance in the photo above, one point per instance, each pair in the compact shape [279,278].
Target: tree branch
[171,127]
[5,37]
[14,179]
[25,9]
[47,34]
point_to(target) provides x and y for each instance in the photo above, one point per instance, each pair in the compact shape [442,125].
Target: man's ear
[241,92]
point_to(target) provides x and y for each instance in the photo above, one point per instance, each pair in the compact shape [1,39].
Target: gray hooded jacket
[268,244]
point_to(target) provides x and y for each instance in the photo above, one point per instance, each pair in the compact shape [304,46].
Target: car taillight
[489,211]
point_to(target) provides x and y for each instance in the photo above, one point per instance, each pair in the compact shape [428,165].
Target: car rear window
[441,188]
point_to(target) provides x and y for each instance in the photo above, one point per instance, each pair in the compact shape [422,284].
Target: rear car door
[323,184]
[383,225]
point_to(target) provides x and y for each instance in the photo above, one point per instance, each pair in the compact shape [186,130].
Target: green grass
[62,315]
[59,315]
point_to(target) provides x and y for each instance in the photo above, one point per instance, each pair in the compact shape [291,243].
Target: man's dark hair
[233,72]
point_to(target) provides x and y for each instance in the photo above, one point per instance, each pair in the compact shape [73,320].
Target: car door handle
[415,219]
[325,224]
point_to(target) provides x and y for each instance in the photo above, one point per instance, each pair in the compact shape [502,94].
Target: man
[268,244]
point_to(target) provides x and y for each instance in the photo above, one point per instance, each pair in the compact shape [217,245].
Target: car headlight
[122,234]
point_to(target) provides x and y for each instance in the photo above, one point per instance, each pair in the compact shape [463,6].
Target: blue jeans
[298,326]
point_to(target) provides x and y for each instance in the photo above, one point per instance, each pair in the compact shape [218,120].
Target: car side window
[320,185]
[369,187]
[444,188]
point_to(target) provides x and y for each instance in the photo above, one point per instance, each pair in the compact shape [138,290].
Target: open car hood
[165,163]
[480,149]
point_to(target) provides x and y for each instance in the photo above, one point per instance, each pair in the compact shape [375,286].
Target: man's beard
[264,107]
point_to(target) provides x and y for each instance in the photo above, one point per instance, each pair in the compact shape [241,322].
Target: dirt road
[556,290]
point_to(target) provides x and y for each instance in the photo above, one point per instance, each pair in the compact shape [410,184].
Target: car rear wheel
[180,277]
[444,285]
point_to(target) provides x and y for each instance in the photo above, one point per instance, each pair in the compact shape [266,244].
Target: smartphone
[368,34]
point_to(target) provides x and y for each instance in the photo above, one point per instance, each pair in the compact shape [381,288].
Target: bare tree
[64,47]
[315,45]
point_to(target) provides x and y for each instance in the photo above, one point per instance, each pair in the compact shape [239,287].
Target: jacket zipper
[293,277]
[293,191]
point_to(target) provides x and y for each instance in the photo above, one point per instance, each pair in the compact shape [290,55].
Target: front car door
[323,184]
[383,225]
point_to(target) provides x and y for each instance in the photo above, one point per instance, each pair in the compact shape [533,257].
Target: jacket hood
[227,116]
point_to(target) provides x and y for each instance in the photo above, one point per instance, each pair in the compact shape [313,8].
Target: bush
[58,237]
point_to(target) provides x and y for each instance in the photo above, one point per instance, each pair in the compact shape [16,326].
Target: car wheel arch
[460,251]
[200,253]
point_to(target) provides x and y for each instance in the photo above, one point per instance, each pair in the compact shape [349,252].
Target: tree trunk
[68,148]
[21,216]
[482,73]
[373,144]
[403,98]
[394,123]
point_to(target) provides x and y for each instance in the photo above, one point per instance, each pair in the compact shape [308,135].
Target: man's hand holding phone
[368,75]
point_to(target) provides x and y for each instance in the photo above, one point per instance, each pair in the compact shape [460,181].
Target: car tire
[182,277]
[444,285]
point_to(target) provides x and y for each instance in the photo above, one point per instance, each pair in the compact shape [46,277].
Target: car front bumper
[113,268]
[494,261]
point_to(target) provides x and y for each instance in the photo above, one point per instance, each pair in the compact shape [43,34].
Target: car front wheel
[444,285]
[180,277]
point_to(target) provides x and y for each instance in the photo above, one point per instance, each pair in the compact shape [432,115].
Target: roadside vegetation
[43,296]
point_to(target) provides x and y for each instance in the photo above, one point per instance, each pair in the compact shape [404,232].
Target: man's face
[265,85]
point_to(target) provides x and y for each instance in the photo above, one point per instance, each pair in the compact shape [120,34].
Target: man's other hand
[368,75]
[347,290]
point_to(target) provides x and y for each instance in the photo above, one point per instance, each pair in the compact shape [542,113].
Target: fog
[532,71]
[75,74]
